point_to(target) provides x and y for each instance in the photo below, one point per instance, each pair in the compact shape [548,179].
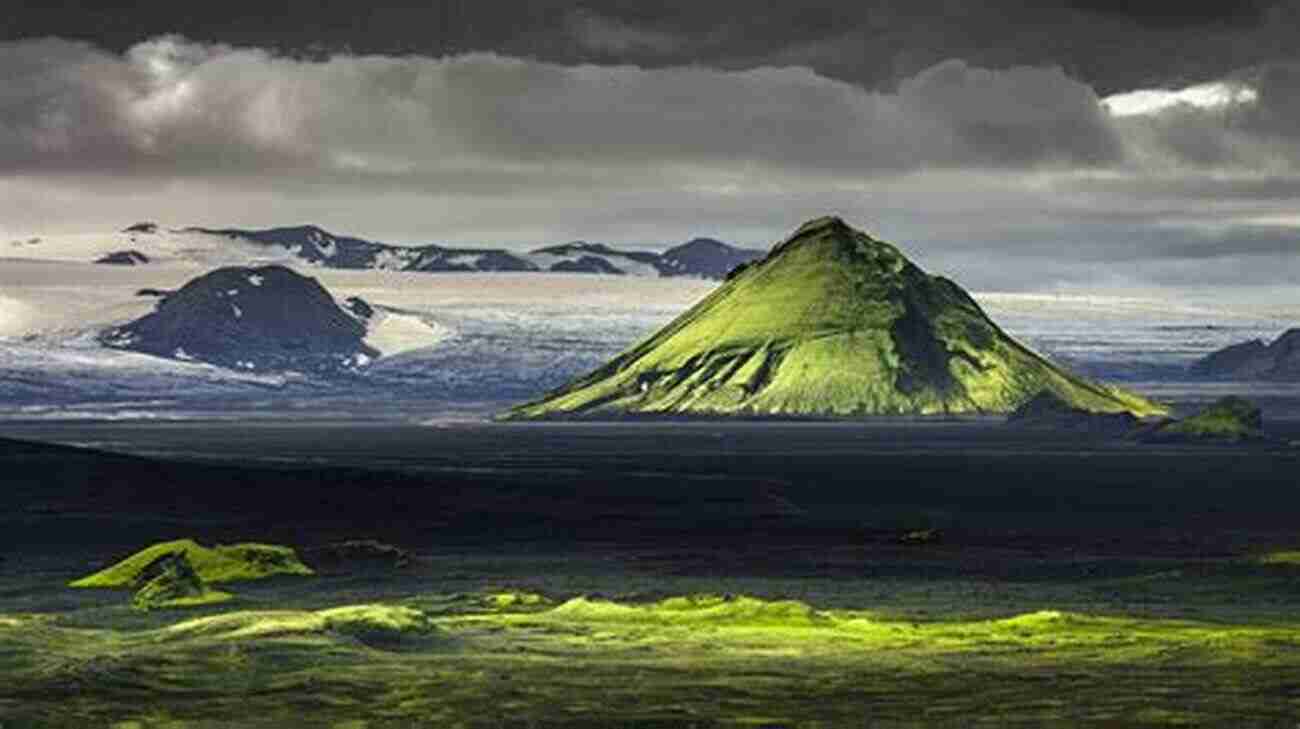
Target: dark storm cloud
[178,108]
[1181,13]
[1006,175]
[877,43]
[1014,116]
[1236,242]
[1180,190]
[1099,253]
[613,36]
[1136,241]
[171,107]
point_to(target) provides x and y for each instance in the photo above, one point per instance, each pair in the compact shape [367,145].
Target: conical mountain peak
[831,322]
[830,225]
[826,222]
[837,240]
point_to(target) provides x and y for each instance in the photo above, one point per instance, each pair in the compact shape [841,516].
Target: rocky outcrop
[357,554]
[123,258]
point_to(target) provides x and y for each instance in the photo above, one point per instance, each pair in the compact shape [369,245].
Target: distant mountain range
[701,257]
[1278,360]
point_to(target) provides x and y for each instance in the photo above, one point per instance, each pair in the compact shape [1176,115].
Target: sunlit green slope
[222,563]
[831,322]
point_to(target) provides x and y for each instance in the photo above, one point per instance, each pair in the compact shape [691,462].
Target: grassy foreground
[520,659]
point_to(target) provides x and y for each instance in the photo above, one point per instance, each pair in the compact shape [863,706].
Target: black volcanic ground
[936,527]
[775,485]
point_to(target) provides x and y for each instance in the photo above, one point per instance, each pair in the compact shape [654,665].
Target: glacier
[469,345]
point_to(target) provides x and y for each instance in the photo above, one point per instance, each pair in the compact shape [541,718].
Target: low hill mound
[223,563]
[250,319]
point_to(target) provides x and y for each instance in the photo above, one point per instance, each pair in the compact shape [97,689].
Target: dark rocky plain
[1064,578]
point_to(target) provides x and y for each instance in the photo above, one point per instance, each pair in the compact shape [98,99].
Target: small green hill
[223,563]
[171,582]
[1230,419]
[831,323]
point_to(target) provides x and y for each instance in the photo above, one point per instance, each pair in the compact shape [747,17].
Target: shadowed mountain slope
[1254,360]
[250,318]
[831,323]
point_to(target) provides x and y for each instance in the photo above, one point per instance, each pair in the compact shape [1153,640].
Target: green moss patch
[690,660]
[1284,558]
[1230,419]
[171,582]
[515,600]
[374,623]
[223,563]
[378,624]
[716,609]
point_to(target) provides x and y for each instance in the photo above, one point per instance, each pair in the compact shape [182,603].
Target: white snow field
[447,341]
[164,246]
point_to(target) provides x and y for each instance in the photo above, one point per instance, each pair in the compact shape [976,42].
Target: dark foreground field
[660,575]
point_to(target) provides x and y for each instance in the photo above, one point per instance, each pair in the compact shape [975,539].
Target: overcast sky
[1070,144]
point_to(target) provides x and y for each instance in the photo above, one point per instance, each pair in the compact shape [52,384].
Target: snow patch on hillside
[546,261]
[394,332]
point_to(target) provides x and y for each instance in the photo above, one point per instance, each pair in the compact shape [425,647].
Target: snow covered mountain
[706,258]
[266,318]
[309,244]
[584,257]
[318,246]
[701,257]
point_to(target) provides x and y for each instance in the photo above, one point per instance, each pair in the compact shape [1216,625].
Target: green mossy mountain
[831,323]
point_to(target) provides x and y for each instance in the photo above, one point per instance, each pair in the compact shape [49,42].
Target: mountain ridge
[1278,360]
[318,246]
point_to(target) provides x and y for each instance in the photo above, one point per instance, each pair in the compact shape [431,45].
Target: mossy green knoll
[222,563]
[1230,418]
[831,323]
[171,582]
[368,623]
